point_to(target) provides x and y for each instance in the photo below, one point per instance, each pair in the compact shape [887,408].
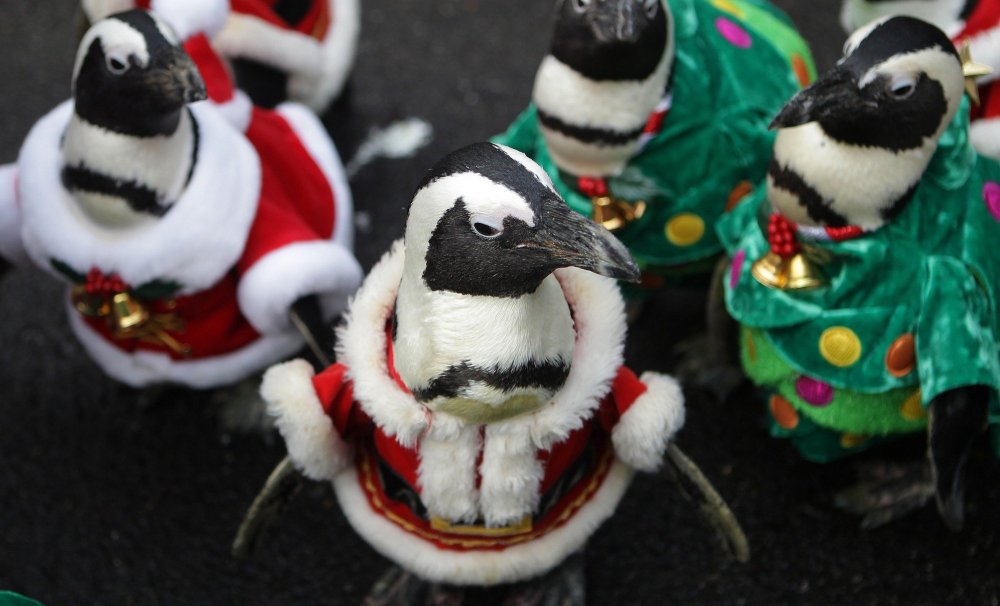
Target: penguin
[195,254]
[606,70]
[650,116]
[883,105]
[278,50]
[873,189]
[975,23]
[131,145]
[491,334]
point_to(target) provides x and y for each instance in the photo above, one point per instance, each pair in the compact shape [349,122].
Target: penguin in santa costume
[299,50]
[479,424]
[865,274]
[651,117]
[972,22]
[185,246]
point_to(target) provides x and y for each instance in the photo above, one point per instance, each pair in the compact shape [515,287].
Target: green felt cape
[715,135]
[932,275]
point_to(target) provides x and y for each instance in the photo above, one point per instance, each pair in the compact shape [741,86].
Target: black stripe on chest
[450,383]
[587,134]
[818,209]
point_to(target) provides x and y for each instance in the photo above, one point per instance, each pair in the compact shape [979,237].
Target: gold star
[972,70]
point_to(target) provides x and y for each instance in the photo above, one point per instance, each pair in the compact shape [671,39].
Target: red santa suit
[464,503]
[257,227]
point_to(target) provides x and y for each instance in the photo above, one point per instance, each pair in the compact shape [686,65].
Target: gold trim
[380,507]
[521,527]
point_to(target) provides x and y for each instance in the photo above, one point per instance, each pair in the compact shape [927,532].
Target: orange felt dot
[783,412]
[852,440]
[912,408]
[742,189]
[901,357]
[801,69]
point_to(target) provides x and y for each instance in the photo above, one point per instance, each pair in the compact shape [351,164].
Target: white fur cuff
[313,444]
[316,267]
[985,136]
[11,245]
[642,433]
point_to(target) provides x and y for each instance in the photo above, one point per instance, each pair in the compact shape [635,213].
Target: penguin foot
[563,586]
[703,365]
[886,492]
[397,587]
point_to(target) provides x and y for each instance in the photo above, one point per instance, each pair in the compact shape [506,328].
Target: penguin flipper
[956,418]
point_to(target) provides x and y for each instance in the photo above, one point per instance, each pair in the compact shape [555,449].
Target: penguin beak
[835,94]
[180,79]
[615,21]
[571,240]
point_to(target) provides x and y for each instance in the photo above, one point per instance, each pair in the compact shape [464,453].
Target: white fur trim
[95,10]
[190,17]
[11,246]
[314,137]
[312,441]
[447,475]
[142,368]
[364,353]
[195,243]
[985,136]
[339,49]
[484,567]
[641,435]
[314,267]
[249,37]
[237,111]
[510,474]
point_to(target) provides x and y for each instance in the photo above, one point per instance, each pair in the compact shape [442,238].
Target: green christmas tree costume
[737,62]
[908,311]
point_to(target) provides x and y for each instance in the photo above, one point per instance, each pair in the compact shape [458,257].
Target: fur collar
[194,244]
[600,326]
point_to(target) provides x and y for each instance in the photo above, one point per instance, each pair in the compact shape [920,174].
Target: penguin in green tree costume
[865,275]
[651,117]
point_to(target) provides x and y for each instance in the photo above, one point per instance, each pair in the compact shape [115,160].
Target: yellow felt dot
[729,7]
[840,346]
[912,409]
[685,229]
[852,440]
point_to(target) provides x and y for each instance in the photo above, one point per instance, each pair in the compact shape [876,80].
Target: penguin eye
[651,6]
[580,6]
[901,88]
[117,63]
[486,226]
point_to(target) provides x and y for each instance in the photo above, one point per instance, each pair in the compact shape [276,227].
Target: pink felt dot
[733,33]
[815,393]
[991,195]
[737,268]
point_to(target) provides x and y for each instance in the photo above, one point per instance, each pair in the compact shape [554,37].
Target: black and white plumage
[854,145]
[607,69]
[131,144]
[479,315]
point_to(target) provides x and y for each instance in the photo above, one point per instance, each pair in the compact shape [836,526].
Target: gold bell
[796,272]
[127,313]
[615,214]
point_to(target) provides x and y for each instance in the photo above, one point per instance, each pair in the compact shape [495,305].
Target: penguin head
[132,76]
[612,39]
[897,87]
[487,221]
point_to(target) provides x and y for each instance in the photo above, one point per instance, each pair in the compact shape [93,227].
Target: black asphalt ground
[105,503]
